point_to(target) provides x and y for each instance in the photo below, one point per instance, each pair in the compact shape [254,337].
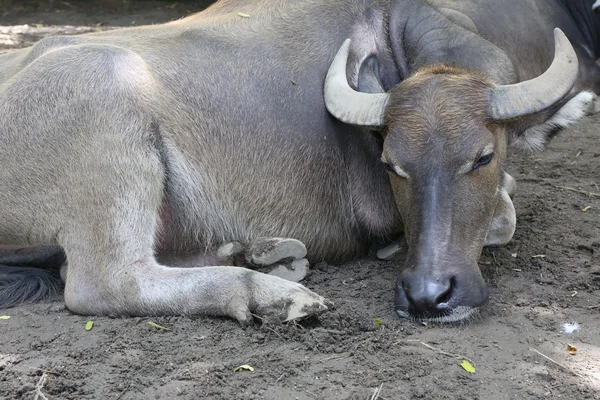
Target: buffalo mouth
[436,300]
[457,314]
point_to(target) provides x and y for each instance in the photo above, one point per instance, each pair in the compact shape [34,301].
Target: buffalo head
[446,133]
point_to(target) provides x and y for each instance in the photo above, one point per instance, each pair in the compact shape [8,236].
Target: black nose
[428,296]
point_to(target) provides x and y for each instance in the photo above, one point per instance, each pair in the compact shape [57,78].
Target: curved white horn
[534,95]
[345,103]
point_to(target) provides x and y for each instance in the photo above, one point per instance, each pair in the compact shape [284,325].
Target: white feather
[571,327]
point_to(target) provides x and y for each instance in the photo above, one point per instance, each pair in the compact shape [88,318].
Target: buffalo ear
[369,79]
[363,70]
[533,132]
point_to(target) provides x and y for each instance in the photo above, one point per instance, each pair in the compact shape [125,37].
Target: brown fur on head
[439,108]
[437,142]
[439,91]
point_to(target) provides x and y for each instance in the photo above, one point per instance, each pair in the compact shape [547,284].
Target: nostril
[427,296]
[445,295]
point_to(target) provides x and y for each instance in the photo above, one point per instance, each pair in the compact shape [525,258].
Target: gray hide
[184,137]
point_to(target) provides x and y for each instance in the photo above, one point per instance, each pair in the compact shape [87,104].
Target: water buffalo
[158,157]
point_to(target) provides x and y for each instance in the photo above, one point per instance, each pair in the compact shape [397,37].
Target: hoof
[294,271]
[267,251]
[393,251]
[229,253]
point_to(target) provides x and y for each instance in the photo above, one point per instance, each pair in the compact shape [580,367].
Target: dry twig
[377,392]
[264,325]
[39,386]
[274,331]
[338,357]
[592,307]
[590,194]
[557,363]
[445,353]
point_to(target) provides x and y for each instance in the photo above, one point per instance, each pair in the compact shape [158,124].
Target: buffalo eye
[396,171]
[483,161]
[393,170]
[389,168]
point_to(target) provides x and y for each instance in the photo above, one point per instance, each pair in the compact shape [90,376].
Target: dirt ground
[548,275]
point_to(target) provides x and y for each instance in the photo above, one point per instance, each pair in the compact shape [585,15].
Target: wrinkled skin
[522,25]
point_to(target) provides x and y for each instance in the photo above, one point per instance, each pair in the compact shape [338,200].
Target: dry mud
[345,354]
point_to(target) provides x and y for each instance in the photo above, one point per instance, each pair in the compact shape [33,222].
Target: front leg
[504,222]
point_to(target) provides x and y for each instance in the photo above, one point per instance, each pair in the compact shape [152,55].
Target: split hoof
[268,251]
[295,271]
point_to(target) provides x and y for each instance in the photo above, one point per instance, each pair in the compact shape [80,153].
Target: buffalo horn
[345,103]
[537,94]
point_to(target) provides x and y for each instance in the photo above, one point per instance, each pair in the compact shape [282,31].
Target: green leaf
[157,326]
[5,316]
[89,325]
[244,367]
[378,321]
[243,15]
[467,366]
